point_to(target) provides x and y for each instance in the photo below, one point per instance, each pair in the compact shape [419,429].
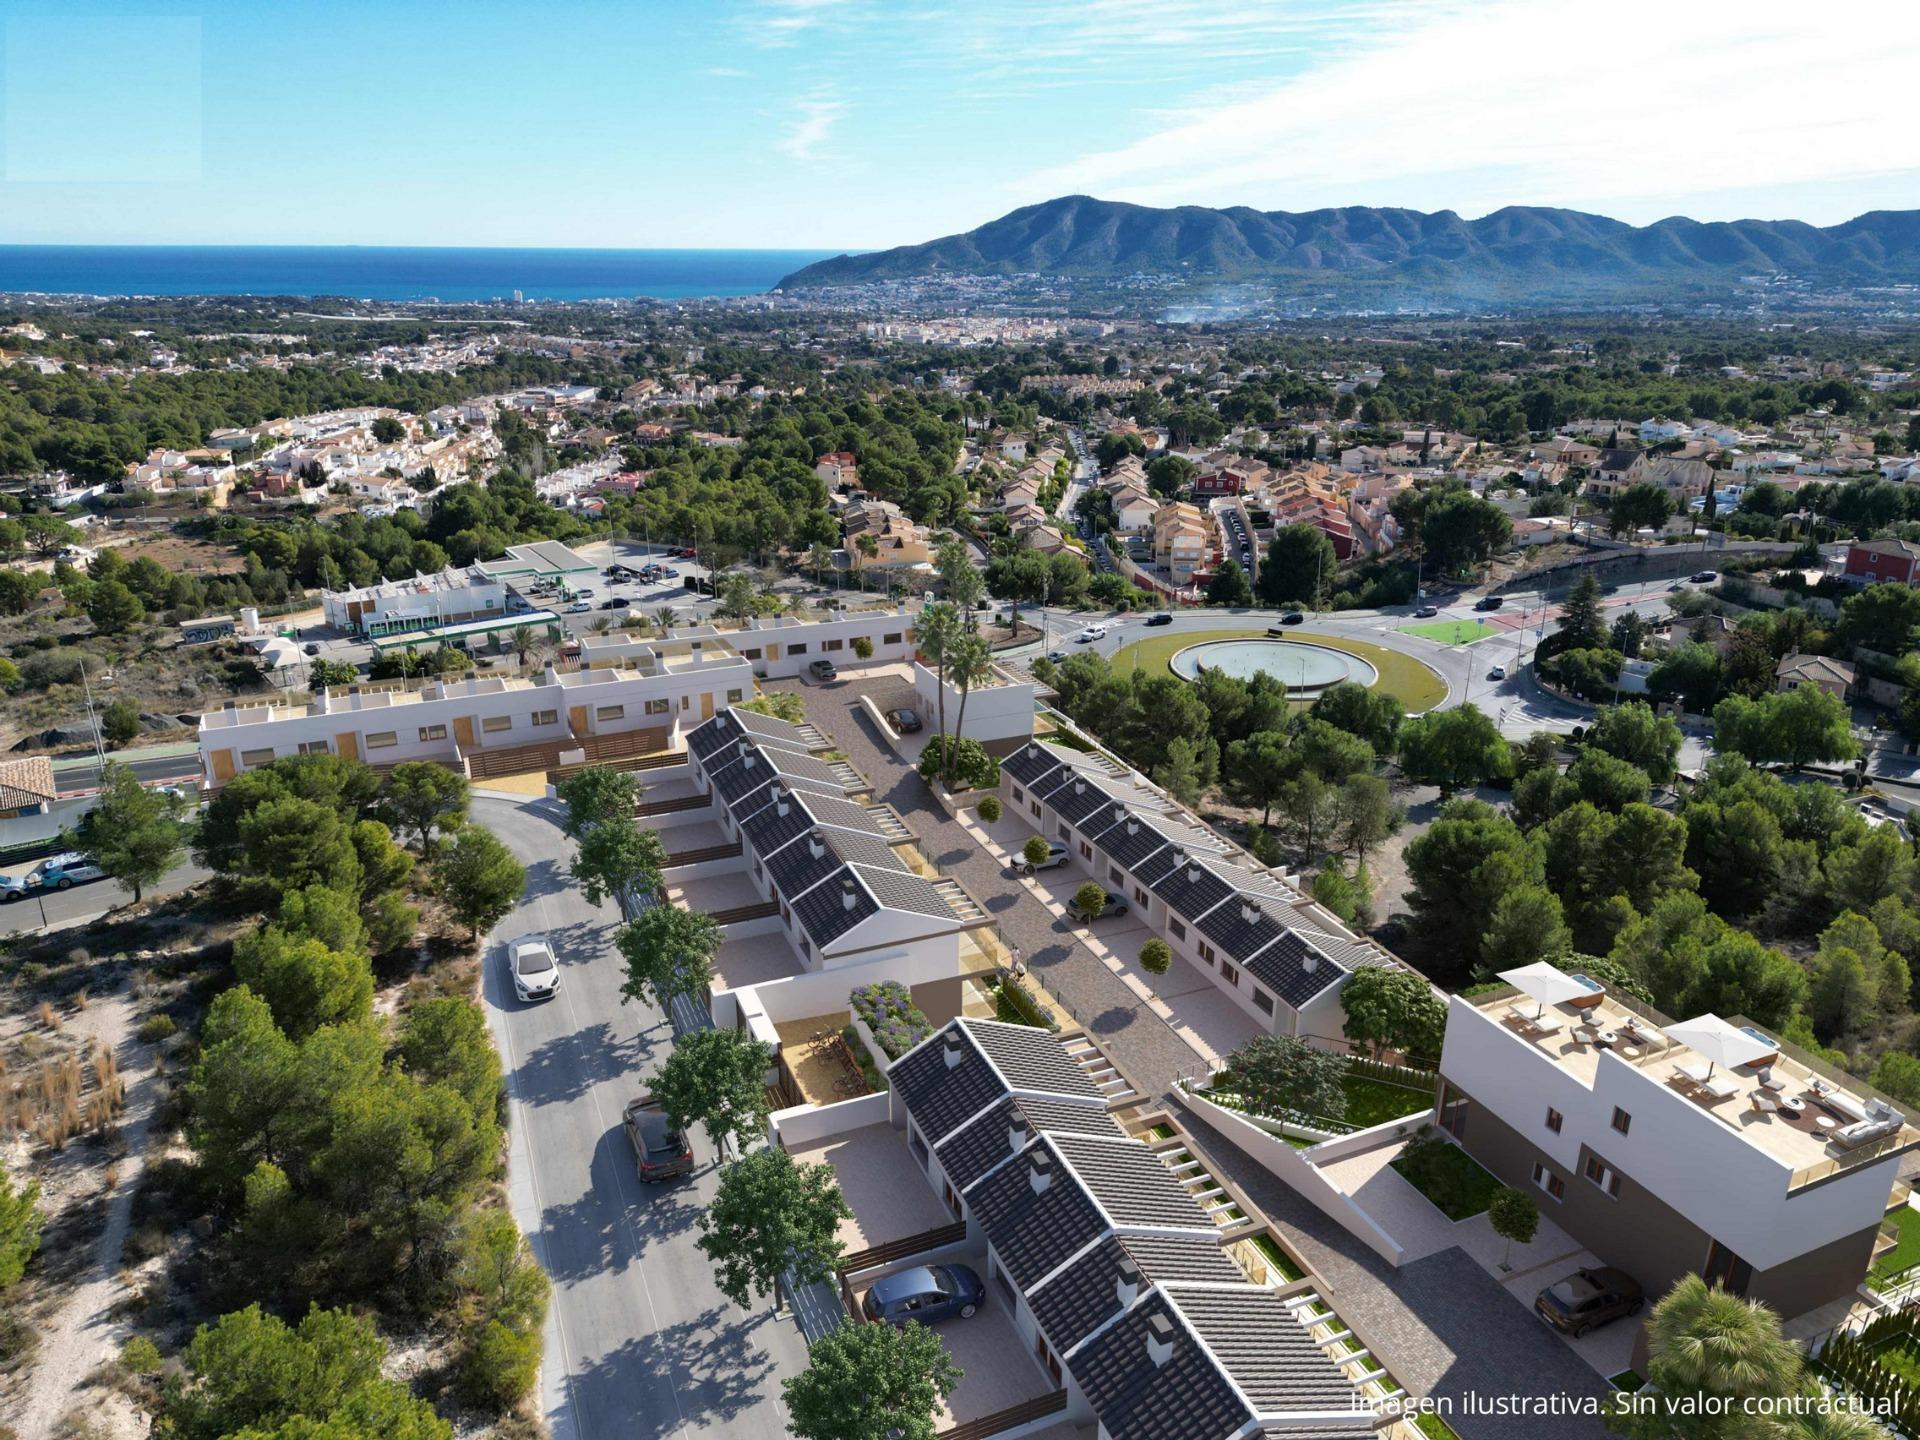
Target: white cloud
[781,22]
[726,72]
[814,117]
[1632,107]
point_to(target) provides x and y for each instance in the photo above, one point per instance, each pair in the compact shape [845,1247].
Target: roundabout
[1386,668]
[1304,669]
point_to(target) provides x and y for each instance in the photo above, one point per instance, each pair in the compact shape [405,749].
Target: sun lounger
[1547,1025]
[1719,1087]
[1697,1072]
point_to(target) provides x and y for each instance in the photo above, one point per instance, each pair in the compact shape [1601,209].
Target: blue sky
[862,123]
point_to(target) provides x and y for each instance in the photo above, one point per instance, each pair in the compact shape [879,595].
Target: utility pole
[99,750]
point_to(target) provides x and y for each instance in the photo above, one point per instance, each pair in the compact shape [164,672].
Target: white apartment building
[1770,1177]
[455,596]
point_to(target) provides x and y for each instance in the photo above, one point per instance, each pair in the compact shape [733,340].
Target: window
[1113,874]
[1603,1175]
[1086,851]
[1546,1180]
[918,1145]
[1139,896]
[1726,1269]
[1229,974]
[1035,807]
[1179,930]
[1262,1001]
[799,649]
[891,639]
[1206,952]
[753,654]
[314,747]
[1065,833]
[1554,1120]
[734,697]
[382,740]
[433,732]
[1621,1120]
[610,712]
[494,724]
[1017,796]
[546,717]
[256,757]
[656,707]
[833,644]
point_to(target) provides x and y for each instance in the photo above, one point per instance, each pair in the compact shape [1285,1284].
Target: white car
[536,974]
[579,607]
[1090,634]
[1499,672]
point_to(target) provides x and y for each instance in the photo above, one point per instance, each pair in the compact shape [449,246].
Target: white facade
[454,596]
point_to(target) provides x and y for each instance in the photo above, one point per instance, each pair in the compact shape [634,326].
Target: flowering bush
[889,1012]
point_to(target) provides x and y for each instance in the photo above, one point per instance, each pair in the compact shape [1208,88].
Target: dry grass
[49,1017]
[63,1097]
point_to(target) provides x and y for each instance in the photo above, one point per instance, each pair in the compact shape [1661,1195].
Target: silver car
[536,974]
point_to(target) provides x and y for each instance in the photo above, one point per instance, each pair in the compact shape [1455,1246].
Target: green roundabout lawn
[1416,685]
[1451,632]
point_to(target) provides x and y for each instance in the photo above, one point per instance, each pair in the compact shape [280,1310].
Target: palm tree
[523,643]
[820,561]
[601,624]
[868,550]
[1703,1339]
[663,617]
[970,663]
[1833,1423]
[935,634]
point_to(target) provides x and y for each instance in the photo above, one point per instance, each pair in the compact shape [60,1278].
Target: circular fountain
[1305,669]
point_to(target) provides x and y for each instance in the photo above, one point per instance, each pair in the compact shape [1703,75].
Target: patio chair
[1586,1034]
[1765,1103]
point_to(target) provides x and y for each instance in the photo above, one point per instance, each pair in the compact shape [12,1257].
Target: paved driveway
[1445,1322]
[639,1343]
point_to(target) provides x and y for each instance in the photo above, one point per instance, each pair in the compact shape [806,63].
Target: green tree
[1701,1340]
[1688,673]
[1880,866]
[595,795]
[1230,586]
[936,633]
[1527,926]
[120,722]
[717,1079]
[20,1222]
[1641,506]
[291,842]
[1514,1217]
[1881,617]
[772,1217]
[1469,858]
[250,1373]
[617,856]
[327,674]
[304,983]
[1798,727]
[1156,957]
[1607,783]
[1090,899]
[1277,1074]
[1896,1072]
[1459,529]
[114,609]
[1184,772]
[669,952]
[969,665]
[1373,715]
[1260,767]
[737,598]
[424,798]
[1582,626]
[132,832]
[871,1382]
[1393,1009]
[1366,815]
[1452,748]
[444,1041]
[1300,567]
[1634,733]
[479,878]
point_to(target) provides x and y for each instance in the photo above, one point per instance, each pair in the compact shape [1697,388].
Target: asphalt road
[61,909]
[74,779]
[639,1343]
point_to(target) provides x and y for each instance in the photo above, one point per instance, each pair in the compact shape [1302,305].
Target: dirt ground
[181,553]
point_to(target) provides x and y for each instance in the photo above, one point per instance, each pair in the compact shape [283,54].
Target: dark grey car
[926,1292]
[1588,1299]
[660,1152]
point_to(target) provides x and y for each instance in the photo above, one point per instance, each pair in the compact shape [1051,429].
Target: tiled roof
[748,767]
[1030,762]
[1283,968]
[942,1097]
[770,728]
[711,735]
[1190,887]
[983,1142]
[1347,952]
[1077,1300]
[1035,1232]
[824,914]
[1238,936]
[1030,1058]
[27,781]
[901,889]
[796,869]
[1132,1184]
[844,814]
[1269,1354]
[767,829]
[1187,1398]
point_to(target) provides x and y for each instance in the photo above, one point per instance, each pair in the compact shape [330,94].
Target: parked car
[668,573]
[56,872]
[1056,857]
[1588,1299]
[660,1152]
[1704,577]
[585,592]
[1160,617]
[1490,602]
[823,670]
[926,1292]
[904,721]
[1426,612]
[1116,905]
[536,974]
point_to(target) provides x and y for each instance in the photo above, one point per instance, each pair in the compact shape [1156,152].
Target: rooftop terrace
[1815,1120]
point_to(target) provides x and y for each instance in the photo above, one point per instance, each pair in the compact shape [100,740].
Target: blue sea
[394,272]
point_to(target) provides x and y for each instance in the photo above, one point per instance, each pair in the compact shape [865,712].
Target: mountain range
[1512,253]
